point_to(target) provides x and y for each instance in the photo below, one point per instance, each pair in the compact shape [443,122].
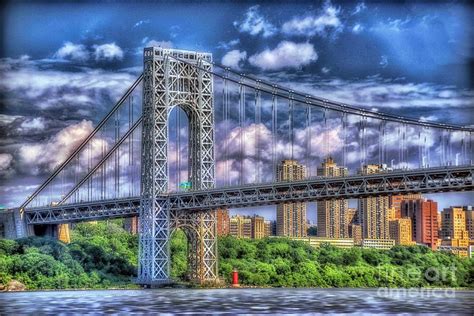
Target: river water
[235,301]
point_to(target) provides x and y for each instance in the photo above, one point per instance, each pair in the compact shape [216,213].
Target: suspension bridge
[191,136]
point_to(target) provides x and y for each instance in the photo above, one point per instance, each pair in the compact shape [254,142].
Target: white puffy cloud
[162,44]
[359,8]
[37,123]
[27,82]
[286,55]
[5,161]
[141,22]
[311,25]
[108,51]
[50,154]
[254,23]
[77,52]
[229,44]
[234,58]
[325,70]
[357,28]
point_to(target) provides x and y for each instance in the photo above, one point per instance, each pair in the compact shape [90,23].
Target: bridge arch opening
[181,120]
[183,255]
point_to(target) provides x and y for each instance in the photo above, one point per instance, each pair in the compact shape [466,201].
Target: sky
[63,65]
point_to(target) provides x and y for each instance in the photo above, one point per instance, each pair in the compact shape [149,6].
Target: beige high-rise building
[373,212]
[240,226]
[453,231]
[469,210]
[401,231]
[331,217]
[268,228]
[64,233]
[350,219]
[291,217]
[258,227]
[453,225]
[357,234]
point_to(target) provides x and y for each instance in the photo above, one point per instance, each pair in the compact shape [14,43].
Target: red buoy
[235,278]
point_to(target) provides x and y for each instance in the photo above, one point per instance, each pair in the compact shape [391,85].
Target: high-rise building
[240,226]
[357,234]
[395,201]
[401,231]
[350,219]
[454,223]
[268,228]
[291,217]
[392,213]
[223,222]
[453,231]
[469,210]
[131,225]
[332,213]
[373,211]
[424,217]
[258,227]
[63,233]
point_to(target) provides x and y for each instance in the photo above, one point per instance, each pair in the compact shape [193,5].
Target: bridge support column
[200,228]
[21,228]
[154,247]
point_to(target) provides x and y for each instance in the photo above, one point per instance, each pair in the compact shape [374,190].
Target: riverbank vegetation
[100,255]
[103,255]
[287,263]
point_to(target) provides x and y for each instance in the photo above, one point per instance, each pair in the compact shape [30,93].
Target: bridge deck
[430,180]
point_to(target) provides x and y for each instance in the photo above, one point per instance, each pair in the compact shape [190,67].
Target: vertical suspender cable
[290,124]
[132,193]
[226,128]
[257,130]
[344,139]
[241,123]
[308,138]
[274,131]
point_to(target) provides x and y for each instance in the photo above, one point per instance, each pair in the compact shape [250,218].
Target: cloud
[357,28]
[359,8]
[37,123]
[76,52]
[5,161]
[325,70]
[311,25]
[254,23]
[7,119]
[141,22]
[39,156]
[108,51]
[229,44]
[28,84]
[234,58]
[285,55]
[383,61]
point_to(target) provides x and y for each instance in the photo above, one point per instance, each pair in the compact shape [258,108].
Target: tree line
[103,255]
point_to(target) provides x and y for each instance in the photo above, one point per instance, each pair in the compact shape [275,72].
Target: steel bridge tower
[176,78]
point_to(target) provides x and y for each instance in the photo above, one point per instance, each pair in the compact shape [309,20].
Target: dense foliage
[283,262]
[100,255]
[103,255]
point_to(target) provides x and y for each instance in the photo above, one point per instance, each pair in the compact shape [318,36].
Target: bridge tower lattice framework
[169,82]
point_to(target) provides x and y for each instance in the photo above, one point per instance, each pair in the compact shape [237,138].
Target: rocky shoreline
[13,286]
